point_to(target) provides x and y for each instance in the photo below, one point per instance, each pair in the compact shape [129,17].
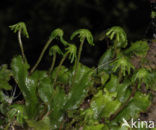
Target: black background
[42,16]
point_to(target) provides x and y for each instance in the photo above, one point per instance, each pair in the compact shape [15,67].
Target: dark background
[42,16]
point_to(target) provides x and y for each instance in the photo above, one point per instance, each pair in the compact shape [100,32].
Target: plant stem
[59,66]
[53,63]
[41,55]
[77,61]
[120,76]
[21,46]
[116,49]
[42,114]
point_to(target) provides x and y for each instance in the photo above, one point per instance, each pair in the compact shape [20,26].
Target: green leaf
[123,91]
[3,98]
[17,111]
[64,75]
[94,127]
[138,48]
[80,87]
[5,75]
[40,125]
[118,34]
[27,85]
[57,107]
[4,108]
[55,99]
[112,84]
[105,60]
[103,105]
[139,103]
[32,103]
[39,75]
[104,77]
[153,81]
[5,85]
[83,34]
[45,90]
[20,27]
[117,127]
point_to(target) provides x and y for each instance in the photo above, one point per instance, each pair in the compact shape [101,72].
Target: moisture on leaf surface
[26,84]
[103,105]
[80,88]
